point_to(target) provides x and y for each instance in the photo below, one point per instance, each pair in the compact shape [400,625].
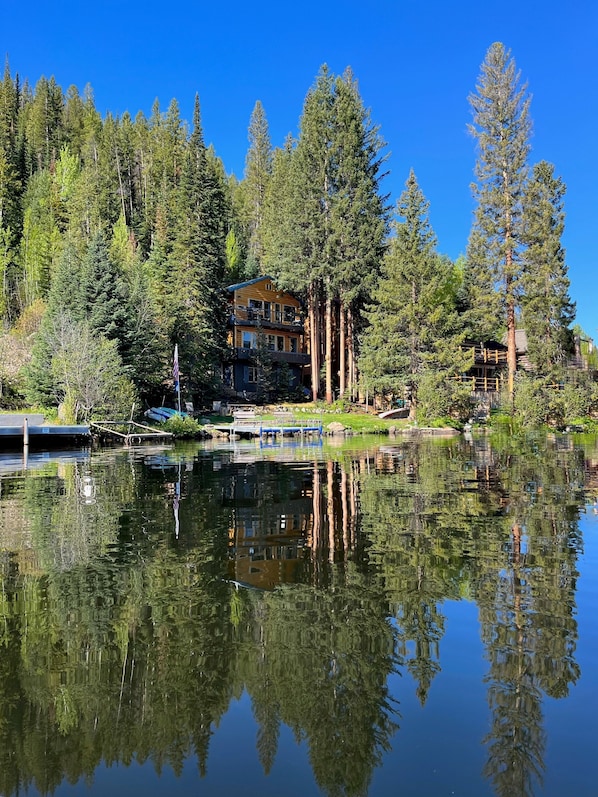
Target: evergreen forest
[119,236]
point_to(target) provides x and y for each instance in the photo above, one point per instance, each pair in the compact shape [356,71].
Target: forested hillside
[118,236]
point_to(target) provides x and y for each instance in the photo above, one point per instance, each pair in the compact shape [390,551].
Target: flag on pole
[175,369]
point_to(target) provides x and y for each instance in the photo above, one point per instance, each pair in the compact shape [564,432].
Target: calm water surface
[416,618]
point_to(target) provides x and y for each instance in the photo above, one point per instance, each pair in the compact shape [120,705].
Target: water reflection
[142,591]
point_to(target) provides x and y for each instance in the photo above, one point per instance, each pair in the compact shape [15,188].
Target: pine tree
[44,125]
[325,222]
[359,218]
[501,127]
[547,307]
[40,242]
[103,293]
[258,171]
[197,262]
[413,325]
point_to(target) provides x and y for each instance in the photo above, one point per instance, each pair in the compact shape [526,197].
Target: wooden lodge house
[263,323]
[488,370]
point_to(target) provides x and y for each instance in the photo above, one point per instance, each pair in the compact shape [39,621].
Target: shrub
[440,397]
[182,426]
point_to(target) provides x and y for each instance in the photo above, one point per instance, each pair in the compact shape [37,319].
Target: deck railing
[490,356]
[251,315]
[481,384]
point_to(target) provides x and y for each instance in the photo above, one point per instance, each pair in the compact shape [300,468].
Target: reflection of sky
[572,725]
[437,749]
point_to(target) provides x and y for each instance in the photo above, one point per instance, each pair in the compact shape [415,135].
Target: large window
[248,341]
[293,345]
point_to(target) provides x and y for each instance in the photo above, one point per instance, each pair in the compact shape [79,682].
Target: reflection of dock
[11,464]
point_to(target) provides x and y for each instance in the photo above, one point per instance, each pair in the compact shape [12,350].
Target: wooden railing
[272,316]
[491,356]
[482,384]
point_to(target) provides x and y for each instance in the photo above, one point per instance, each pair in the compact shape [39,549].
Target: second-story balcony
[269,319]
[487,356]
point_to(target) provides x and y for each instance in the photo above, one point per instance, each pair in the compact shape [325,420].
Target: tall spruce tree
[501,127]
[104,293]
[11,188]
[547,307]
[197,262]
[413,323]
[258,171]
[359,219]
[325,222]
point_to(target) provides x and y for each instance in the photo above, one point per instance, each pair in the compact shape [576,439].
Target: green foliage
[502,129]
[74,366]
[414,328]
[132,226]
[182,426]
[547,308]
[546,402]
[258,171]
[441,397]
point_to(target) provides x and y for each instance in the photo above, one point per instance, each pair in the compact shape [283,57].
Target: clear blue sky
[416,63]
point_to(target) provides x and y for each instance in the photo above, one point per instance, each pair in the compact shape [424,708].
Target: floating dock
[30,430]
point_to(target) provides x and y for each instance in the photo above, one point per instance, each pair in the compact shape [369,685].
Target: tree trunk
[511,346]
[511,322]
[342,386]
[314,346]
[328,353]
[352,383]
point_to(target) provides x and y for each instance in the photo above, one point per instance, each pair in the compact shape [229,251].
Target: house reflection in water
[269,524]
[281,522]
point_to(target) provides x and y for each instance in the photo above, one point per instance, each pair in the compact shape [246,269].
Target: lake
[388,616]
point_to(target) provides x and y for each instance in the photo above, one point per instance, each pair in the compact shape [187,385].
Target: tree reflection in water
[303,580]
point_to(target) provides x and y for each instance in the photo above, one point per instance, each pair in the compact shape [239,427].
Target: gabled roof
[238,285]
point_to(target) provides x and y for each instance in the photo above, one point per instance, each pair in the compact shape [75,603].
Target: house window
[277,313]
[256,308]
[279,343]
[289,314]
[293,345]
[251,374]
[267,311]
[248,340]
[272,342]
